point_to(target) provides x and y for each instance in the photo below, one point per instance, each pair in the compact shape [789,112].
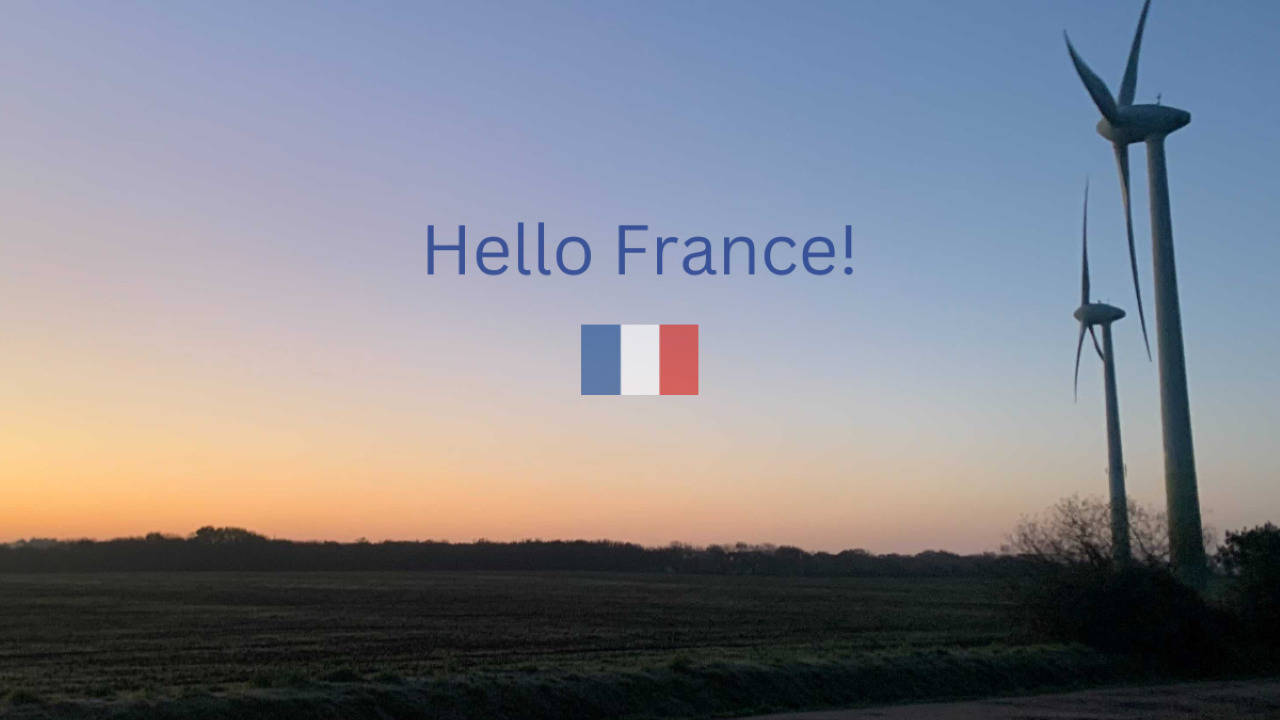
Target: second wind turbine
[1091,314]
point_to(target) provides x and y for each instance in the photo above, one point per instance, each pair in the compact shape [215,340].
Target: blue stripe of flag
[601,359]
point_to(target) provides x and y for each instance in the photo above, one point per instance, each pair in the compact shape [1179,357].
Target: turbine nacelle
[1091,314]
[1137,123]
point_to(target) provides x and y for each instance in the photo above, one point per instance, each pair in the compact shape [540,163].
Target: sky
[215,306]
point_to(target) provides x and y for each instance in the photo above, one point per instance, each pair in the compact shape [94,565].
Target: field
[162,637]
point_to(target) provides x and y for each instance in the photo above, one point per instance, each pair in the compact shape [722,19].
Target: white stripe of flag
[640,366]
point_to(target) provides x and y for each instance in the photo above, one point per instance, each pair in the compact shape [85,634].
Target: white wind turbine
[1090,315]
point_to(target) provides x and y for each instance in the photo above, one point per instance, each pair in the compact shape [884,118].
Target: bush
[1140,610]
[1077,530]
[1251,558]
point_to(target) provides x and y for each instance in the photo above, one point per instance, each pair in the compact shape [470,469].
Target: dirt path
[1243,700]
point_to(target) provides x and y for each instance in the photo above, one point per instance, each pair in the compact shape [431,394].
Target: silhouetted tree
[1251,558]
[231,548]
[1077,530]
[210,535]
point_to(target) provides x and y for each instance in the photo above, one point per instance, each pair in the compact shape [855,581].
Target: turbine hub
[1098,314]
[1137,123]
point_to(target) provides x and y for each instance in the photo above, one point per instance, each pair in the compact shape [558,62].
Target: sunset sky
[215,309]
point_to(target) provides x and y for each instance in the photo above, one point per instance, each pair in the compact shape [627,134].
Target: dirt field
[514,646]
[100,635]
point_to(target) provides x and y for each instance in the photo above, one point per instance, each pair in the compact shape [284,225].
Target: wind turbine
[1124,123]
[1090,315]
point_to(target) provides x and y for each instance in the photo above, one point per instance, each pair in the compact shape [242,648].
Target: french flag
[639,359]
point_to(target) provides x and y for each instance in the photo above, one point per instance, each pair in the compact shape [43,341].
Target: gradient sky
[215,308]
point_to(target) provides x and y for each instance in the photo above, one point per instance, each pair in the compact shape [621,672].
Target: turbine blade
[1084,280]
[1122,162]
[1130,82]
[1096,346]
[1084,244]
[1097,89]
[1079,346]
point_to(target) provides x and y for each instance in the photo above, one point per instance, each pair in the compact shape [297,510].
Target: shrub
[1251,558]
[1077,530]
[1139,610]
[1079,594]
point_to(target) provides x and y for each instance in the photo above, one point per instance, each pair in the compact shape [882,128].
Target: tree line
[229,548]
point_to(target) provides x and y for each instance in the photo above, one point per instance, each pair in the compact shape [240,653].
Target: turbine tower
[1091,314]
[1124,123]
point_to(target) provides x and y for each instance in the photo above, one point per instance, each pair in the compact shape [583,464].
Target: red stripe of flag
[678,359]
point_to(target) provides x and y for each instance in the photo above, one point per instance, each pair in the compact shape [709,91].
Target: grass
[504,644]
[710,690]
